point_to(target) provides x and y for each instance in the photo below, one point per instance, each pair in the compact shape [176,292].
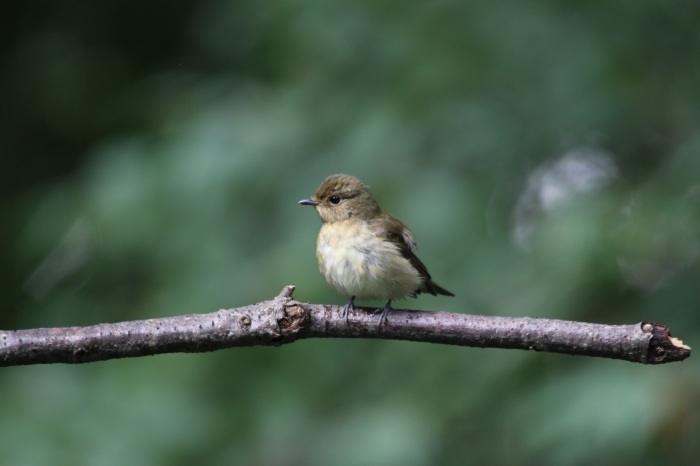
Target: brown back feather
[392,229]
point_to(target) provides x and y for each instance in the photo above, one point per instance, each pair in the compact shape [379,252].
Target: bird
[363,251]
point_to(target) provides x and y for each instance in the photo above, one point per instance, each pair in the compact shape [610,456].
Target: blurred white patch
[581,170]
[65,259]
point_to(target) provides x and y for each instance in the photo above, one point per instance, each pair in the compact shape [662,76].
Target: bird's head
[341,197]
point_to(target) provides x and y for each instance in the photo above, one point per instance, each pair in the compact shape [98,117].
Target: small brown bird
[363,251]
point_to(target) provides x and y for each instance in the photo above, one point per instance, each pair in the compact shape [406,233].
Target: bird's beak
[309,201]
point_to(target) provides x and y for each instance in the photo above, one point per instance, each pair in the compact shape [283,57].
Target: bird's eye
[334,199]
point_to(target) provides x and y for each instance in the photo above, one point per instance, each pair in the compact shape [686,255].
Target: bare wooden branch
[285,320]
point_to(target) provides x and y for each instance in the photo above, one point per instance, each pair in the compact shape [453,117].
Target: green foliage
[545,155]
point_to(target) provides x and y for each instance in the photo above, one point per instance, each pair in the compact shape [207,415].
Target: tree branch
[285,320]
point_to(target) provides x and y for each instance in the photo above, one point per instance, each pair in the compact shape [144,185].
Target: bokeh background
[545,154]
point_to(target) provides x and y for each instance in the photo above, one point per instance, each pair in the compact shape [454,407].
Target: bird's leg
[349,305]
[385,311]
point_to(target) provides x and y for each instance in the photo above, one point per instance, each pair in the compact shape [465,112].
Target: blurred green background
[545,154]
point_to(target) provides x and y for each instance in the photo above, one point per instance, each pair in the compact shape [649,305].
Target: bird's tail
[435,289]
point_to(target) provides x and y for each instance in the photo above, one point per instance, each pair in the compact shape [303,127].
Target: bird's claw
[349,305]
[382,317]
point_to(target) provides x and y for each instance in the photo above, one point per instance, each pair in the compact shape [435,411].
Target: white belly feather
[358,263]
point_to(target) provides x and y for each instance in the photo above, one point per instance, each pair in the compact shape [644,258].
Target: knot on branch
[291,314]
[663,347]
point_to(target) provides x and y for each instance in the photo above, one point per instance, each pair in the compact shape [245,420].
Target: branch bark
[284,320]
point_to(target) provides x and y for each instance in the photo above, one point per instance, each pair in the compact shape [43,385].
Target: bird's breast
[357,262]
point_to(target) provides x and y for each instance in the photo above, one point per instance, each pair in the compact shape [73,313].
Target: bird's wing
[392,229]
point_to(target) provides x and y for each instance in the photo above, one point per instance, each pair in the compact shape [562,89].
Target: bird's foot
[385,311]
[349,305]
